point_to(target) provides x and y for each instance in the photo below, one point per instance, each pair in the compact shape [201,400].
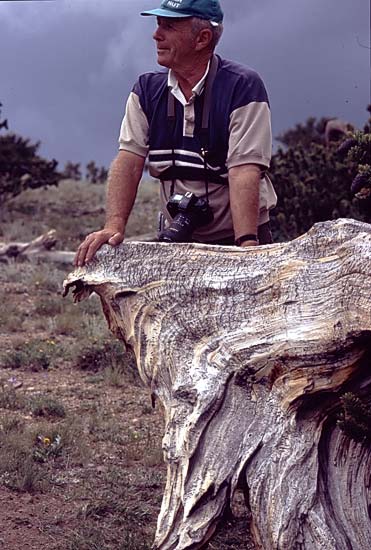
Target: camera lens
[180,230]
[188,212]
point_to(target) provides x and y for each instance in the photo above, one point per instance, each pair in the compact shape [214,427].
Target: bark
[249,350]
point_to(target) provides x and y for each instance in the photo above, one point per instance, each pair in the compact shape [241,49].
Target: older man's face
[175,42]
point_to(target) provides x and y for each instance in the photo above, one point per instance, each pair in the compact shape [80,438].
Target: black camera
[188,212]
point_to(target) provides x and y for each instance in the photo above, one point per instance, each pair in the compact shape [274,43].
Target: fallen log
[42,248]
[250,350]
[41,244]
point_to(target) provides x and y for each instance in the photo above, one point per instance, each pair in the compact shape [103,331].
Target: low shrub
[34,354]
[46,406]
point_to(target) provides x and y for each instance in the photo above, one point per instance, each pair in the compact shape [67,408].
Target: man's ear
[203,39]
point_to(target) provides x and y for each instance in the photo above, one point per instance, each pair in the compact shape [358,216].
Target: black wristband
[247,237]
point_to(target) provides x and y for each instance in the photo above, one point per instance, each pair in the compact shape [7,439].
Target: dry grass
[73,209]
[12,315]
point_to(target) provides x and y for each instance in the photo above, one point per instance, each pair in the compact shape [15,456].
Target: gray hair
[216,29]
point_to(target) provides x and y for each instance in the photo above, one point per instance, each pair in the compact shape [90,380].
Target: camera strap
[171,123]
[204,136]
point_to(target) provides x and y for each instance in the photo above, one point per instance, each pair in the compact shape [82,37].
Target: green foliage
[357,150]
[26,451]
[47,447]
[312,186]
[35,355]
[94,174]
[312,131]
[355,418]
[313,181]
[41,405]
[72,171]
[106,353]
[3,123]
[10,399]
[21,167]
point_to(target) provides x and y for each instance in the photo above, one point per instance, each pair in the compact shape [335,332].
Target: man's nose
[157,34]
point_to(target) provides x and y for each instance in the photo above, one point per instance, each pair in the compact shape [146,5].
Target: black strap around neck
[207,96]
[208,91]
[171,116]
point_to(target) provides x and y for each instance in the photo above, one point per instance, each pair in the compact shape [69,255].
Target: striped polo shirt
[239,133]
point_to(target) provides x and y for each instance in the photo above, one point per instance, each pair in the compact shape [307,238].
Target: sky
[67,67]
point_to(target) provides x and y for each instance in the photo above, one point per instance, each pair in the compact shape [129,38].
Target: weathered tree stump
[249,351]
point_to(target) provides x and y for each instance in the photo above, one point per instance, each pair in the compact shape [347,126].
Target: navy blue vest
[234,86]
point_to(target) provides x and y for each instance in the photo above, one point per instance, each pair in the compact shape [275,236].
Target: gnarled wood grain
[249,350]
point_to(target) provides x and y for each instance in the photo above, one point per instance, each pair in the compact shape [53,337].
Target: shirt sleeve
[250,135]
[134,128]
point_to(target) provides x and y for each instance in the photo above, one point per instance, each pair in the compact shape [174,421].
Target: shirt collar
[173,83]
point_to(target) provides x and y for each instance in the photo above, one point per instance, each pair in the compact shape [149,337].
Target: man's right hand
[93,242]
[123,180]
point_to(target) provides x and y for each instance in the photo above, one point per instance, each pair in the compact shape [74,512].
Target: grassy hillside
[80,445]
[73,209]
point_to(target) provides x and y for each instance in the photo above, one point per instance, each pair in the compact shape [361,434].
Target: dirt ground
[118,436]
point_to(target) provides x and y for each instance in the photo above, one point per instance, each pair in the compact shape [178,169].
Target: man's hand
[93,242]
[123,180]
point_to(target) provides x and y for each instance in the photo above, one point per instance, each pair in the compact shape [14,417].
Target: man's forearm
[124,177]
[123,180]
[244,199]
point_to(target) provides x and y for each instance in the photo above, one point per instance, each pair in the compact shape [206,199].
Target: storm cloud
[66,67]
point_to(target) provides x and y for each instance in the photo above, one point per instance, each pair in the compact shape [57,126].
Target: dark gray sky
[66,67]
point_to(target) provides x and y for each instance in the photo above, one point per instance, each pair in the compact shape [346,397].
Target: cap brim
[165,13]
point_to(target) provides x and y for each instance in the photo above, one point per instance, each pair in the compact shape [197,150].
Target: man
[204,125]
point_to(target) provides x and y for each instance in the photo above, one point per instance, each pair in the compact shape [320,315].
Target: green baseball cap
[204,9]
